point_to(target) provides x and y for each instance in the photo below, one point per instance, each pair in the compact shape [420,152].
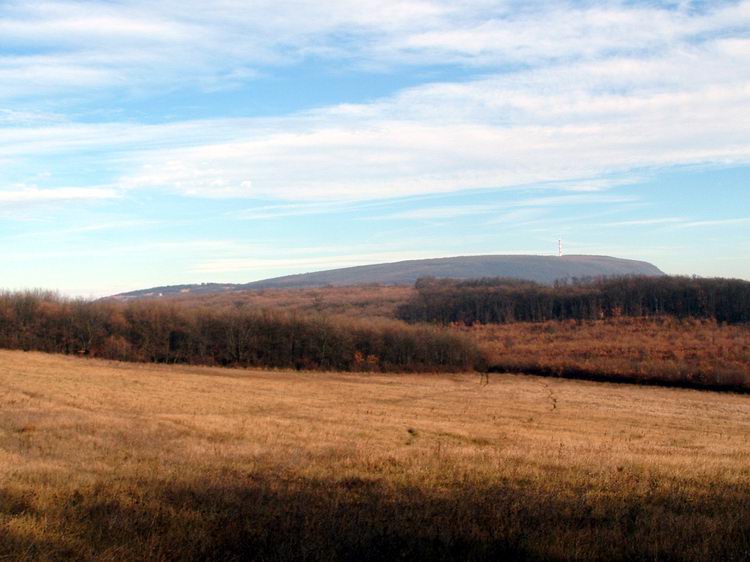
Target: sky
[152,143]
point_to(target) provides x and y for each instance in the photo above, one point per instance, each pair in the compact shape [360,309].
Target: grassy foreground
[114,461]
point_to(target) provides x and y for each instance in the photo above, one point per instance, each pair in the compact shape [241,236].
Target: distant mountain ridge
[542,269]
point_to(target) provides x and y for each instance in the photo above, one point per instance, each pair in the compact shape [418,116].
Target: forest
[501,301]
[672,330]
[169,333]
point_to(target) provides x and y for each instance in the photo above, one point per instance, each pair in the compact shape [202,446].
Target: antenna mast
[560,247]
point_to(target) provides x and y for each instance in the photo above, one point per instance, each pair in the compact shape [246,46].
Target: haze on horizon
[146,144]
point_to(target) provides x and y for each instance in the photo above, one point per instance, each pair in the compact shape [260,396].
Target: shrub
[168,333]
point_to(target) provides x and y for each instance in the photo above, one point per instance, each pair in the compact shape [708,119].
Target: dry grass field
[700,353]
[113,461]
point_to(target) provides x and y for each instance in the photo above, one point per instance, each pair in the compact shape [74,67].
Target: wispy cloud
[299,264]
[548,202]
[56,233]
[674,223]
[598,90]
[272,212]
[549,111]
[34,195]
[646,222]
[67,46]
[539,126]
[713,223]
[319,262]
[173,248]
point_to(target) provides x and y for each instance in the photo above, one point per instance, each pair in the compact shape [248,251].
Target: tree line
[499,301]
[169,333]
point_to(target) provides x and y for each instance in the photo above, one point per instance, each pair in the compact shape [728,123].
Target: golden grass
[111,461]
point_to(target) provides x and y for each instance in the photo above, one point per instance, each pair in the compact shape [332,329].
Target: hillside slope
[542,269]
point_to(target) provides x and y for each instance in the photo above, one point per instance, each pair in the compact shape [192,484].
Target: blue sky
[150,143]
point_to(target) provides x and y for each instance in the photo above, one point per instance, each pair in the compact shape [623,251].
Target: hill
[542,269]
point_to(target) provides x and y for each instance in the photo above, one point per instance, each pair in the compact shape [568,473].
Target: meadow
[101,460]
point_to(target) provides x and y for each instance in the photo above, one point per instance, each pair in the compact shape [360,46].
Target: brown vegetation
[361,301]
[695,353]
[170,333]
[501,301]
[116,461]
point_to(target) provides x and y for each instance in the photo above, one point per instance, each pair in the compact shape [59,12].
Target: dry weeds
[361,301]
[701,353]
[109,461]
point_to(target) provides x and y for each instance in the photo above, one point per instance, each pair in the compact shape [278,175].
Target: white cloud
[303,264]
[714,223]
[646,222]
[65,46]
[602,90]
[524,208]
[264,212]
[34,195]
[558,124]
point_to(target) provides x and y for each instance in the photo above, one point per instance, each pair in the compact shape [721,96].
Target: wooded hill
[540,269]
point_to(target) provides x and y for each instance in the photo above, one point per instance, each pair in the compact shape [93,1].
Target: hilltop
[541,269]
